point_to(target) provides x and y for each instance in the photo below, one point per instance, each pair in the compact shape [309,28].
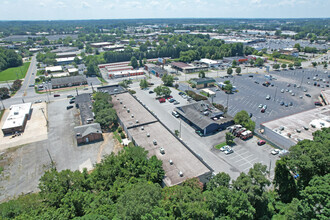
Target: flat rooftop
[183,160]
[16,116]
[124,102]
[293,125]
[112,89]
[326,96]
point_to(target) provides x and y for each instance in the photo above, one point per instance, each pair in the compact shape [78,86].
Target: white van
[175,114]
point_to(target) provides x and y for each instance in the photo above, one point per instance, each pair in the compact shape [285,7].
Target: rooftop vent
[128,110]
[142,128]
[298,130]
[180,173]
[124,106]
[121,102]
[117,98]
[161,150]
[132,116]
[78,134]
[171,162]
[148,135]
[137,121]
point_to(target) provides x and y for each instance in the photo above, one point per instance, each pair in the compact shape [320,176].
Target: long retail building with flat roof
[145,130]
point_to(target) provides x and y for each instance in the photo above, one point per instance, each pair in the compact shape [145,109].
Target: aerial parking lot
[289,92]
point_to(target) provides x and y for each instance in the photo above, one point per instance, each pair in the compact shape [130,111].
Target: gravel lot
[25,164]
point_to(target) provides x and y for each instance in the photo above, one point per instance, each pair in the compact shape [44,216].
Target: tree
[229,71]
[201,74]
[283,65]
[314,64]
[106,117]
[228,88]
[278,33]
[276,66]
[297,64]
[4,93]
[16,85]
[91,69]
[134,62]
[290,65]
[221,179]
[259,62]
[251,62]
[162,91]
[297,46]
[230,138]
[158,90]
[244,119]
[139,200]
[144,84]
[325,65]
[168,80]
[238,70]
[234,63]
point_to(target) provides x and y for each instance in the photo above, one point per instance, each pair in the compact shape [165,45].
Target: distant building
[88,133]
[127,73]
[181,31]
[68,81]
[238,59]
[65,61]
[112,89]
[204,117]
[54,69]
[155,70]
[101,44]
[186,68]
[290,51]
[17,118]
[113,47]
[210,63]
[67,54]
[325,96]
[203,82]
[65,49]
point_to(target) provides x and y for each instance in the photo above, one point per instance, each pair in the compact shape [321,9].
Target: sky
[116,9]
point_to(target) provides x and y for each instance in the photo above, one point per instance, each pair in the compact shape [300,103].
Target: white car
[267,97]
[260,106]
[275,151]
[224,148]
[229,151]
[38,101]
[282,90]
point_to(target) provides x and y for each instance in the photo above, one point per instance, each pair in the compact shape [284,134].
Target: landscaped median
[218,146]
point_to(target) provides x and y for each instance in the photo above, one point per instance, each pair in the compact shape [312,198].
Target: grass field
[12,73]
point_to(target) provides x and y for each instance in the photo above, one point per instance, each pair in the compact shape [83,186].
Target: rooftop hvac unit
[124,106]
[171,162]
[128,110]
[148,135]
[121,102]
[142,128]
[137,121]
[161,150]
[132,116]
[117,98]
[78,134]
[180,173]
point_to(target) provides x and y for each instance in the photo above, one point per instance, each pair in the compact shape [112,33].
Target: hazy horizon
[44,10]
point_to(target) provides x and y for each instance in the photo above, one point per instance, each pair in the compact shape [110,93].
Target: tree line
[127,186]
[9,58]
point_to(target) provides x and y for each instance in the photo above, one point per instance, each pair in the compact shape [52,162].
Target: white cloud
[61,5]
[85,5]
[255,1]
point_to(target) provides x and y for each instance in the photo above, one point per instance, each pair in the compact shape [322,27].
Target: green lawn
[12,73]
[218,146]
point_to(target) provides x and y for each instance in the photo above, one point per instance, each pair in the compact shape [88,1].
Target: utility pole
[270,165]
[51,159]
[44,116]
[77,91]
[275,93]
[3,106]
[180,126]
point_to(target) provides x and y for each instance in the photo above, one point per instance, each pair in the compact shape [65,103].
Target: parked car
[229,151]
[32,85]
[318,103]
[290,103]
[171,100]
[150,92]
[282,103]
[265,107]
[286,104]
[176,103]
[175,114]
[69,107]
[224,148]
[267,97]
[69,96]
[56,95]
[261,142]
[71,101]
[282,90]
[260,106]
[263,110]
[38,101]
[308,95]
[162,100]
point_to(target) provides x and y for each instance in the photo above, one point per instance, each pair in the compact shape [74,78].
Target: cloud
[255,1]
[85,5]
[61,5]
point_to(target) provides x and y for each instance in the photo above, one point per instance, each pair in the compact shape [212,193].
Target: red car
[263,110]
[162,100]
[261,142]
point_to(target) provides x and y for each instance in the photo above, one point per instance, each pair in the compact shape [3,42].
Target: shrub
[122,135]
[195,96]
[120,129]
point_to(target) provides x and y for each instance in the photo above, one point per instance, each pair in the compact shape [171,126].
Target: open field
[10,74]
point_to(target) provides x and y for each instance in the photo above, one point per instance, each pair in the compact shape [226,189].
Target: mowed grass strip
[12,73]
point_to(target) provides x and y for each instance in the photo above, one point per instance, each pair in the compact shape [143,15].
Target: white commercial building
[16,120]
[54,69]
[210,63]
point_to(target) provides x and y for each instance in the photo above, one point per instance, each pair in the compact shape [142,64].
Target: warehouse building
[155,70]
[210,63]
[53,69]
[325,96]
[144,129]
[289,130]
[67,54]
[17,118]
[68,81]
[186,68]
[112,89]
[204,117]
[101,44]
